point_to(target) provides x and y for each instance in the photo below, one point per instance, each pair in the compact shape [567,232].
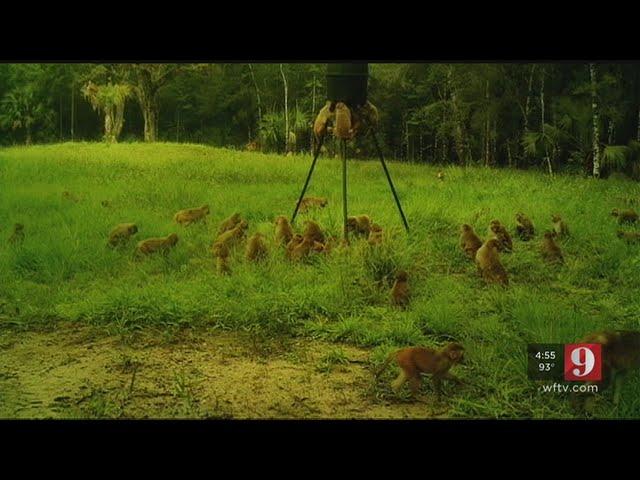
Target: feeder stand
[347,83]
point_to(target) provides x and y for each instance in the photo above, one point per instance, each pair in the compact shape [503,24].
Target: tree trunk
[459,135]
[596,129]
[150,116]
[486,125]
[60,117]
[28,139]
[509,154]
[611,132]
[313,109]
[546,148]
[73,110]
[286,110]
[527,108]
[638,137]
[255,84]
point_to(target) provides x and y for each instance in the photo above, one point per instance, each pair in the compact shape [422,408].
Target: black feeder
[347,83]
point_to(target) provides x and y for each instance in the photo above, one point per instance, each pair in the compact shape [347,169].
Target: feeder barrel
[347,82]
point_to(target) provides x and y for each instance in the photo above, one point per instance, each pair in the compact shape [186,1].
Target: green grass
[63,270]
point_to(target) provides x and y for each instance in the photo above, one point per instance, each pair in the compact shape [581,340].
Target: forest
[582,118]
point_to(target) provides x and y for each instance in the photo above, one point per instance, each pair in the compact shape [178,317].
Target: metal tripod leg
[306,183]
[343,154]
[386,171]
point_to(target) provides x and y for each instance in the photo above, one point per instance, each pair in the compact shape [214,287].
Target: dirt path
[78,372]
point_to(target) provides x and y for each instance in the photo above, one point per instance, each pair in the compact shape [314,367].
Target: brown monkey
[559,226]
[284,232]
[550,250]
[256,248]
[497,231]
[375,235]
[326,115]
[416,360]
[620,353]
[301,249]
[469,241]
[234,236]
[440,175]
[359,224]
[488,262]
[343,124]
[221,252]
[17,236]
[400,290]
[252,146]
[524,227]
[297,238]
[309,202]
[121,234]
[625,216]
[191,215]
[105,203]
[153,245]
[313,231]
[630,237]
[229,223]
[69,196]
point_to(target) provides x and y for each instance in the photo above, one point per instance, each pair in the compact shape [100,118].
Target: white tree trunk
[546,148]
[596,128]
[255,84]
[73,109]
[286,110]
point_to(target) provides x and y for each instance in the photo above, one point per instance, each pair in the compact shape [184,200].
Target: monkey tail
[385,364]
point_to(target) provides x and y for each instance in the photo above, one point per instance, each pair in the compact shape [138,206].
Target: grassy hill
[64,271]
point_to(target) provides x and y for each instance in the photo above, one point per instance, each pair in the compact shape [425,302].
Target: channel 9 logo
[574,362]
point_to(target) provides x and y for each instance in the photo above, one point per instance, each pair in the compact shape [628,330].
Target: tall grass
[63,270]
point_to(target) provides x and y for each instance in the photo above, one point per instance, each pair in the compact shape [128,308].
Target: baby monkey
[17,236]
[488,261]
[284,232]
[375,235]
[256,248]
[400,290]
[191,215]
[414,361]
[469,241]
[309,202]
[497,231]
[630,237]
[154,245]
[625,216]
[359,224]
[524,227]
[229,223]
[121,234]
[560,226]
[550,250]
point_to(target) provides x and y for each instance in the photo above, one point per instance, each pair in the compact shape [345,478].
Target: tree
[20,110]
[146,80]
[596,126]
[109,100]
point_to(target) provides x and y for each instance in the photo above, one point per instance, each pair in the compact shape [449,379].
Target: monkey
[69,196]
[620,353]
[313,231]
[416,360]
[105,203]
[497,231]
[234,236]
[400,290]
[191,215]
[375,235]
[343,128]
[295,240]
[524,227]
[229,223]
[630,237]
[284,232]
[256,248]
[551,252]
[221,252]
[302,248]
[121,234]
[440,175]
[469,241]
[369,114]
[153,245]
[625,216]
[489,265]
[559,226]
[17,236]
[252,146]
[309,202]
[359,224]
[326,115]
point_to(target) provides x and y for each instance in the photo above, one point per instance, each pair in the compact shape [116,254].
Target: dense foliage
[518,115]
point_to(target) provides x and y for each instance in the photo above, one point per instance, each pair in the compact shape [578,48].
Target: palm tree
[21,110]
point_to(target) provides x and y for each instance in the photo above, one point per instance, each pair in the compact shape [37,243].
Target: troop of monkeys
[486,255]
[620,349]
